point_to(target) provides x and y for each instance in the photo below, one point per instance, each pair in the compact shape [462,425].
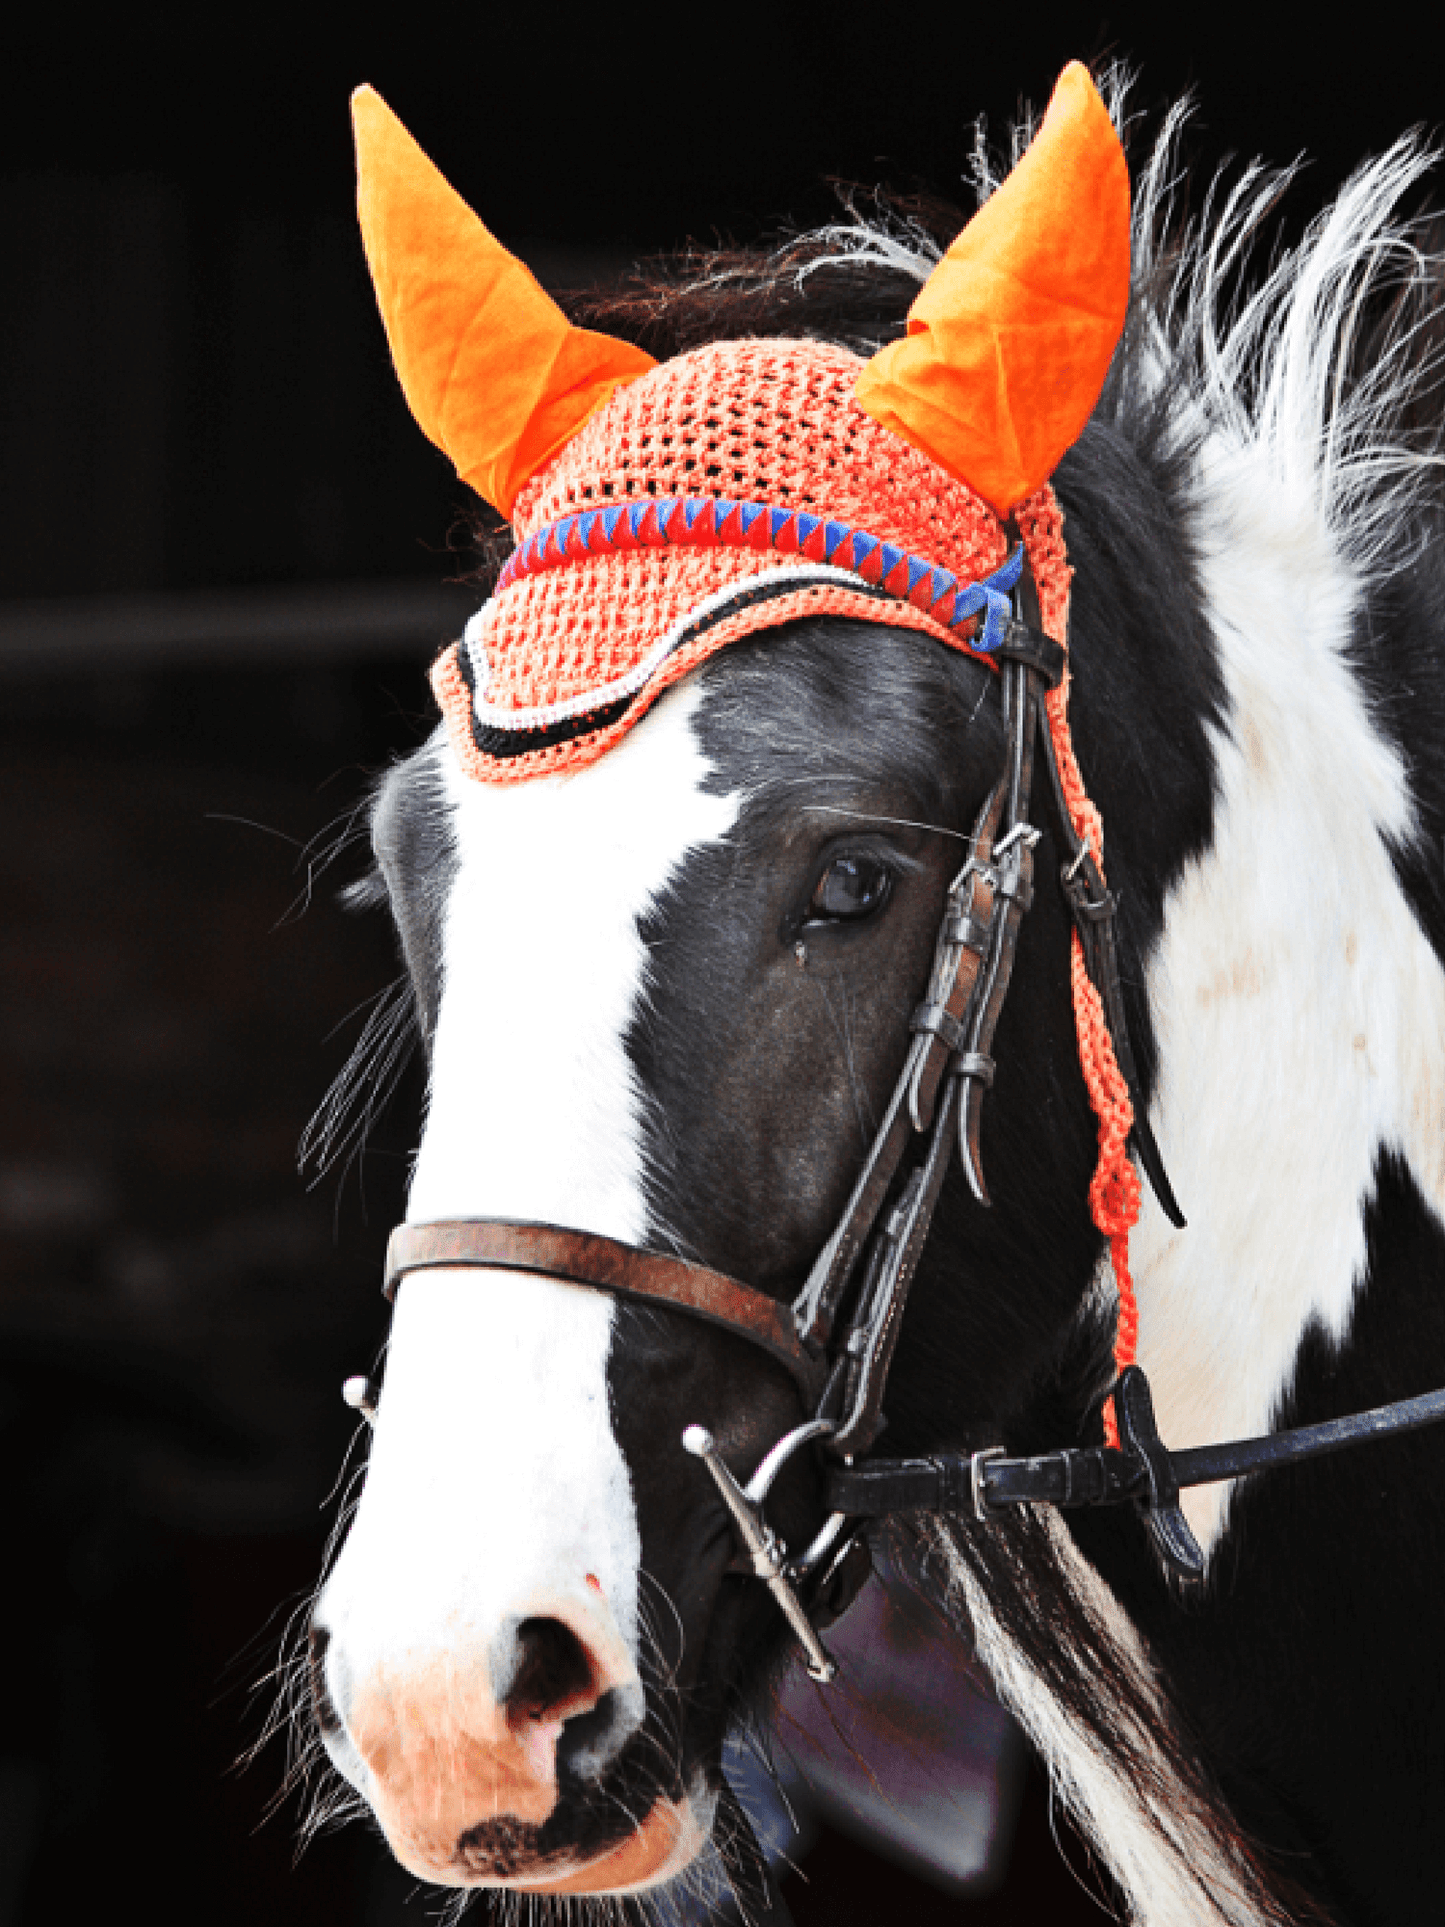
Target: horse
[665,996]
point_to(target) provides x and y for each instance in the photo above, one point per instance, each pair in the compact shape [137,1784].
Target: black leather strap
[958,954]
[1094,908]
[961,964]
[1026,643]
[1012,879]
[879,1313]
[1144,1473]
[882,1488]
[1159,1501]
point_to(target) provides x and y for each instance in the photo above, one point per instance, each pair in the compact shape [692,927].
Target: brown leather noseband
[584,1258]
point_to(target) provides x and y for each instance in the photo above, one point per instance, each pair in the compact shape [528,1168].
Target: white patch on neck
[1299,1009]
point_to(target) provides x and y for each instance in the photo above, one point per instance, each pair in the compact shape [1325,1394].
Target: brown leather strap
[963,946]
[584,1258]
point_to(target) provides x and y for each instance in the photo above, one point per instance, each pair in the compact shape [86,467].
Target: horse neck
[1274,813]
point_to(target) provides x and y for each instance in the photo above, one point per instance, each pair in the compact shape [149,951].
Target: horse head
[724,797]
[778,986]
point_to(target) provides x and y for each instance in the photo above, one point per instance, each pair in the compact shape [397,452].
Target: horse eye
[851,886]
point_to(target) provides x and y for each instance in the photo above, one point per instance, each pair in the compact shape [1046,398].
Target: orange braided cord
[1114,1193]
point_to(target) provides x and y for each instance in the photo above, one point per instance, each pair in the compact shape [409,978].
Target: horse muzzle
[492,1762]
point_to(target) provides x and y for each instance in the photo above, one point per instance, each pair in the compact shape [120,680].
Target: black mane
[800,286]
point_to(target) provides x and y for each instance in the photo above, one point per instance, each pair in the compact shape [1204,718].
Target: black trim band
[503,744]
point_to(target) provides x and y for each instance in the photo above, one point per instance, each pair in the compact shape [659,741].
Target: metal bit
[765,1551]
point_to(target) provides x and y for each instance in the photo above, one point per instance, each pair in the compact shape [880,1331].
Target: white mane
[1267,370]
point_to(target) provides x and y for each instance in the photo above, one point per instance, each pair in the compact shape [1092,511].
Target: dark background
[222,551]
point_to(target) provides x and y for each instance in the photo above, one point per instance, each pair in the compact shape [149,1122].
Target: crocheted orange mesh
[762,421]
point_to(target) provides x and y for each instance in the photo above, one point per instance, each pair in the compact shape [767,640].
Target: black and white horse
[665,999]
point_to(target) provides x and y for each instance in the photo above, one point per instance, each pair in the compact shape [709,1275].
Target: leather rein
[838,1337]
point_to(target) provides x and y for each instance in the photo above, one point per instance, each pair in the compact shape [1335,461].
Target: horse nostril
[557,1684]
[552,1673]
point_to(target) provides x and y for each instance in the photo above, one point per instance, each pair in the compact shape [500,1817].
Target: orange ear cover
[1010,339]
[492,369]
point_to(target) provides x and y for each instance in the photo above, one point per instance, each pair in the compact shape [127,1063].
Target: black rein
[1142,1472]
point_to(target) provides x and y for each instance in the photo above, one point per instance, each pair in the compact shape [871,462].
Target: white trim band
[491,715]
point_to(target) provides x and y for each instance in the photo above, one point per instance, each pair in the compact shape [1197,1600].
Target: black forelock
[808,285]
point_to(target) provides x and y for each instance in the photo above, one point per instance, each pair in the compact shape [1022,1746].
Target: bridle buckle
[982,1510]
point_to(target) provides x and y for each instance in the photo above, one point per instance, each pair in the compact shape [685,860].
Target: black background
[194,395]
[195,389]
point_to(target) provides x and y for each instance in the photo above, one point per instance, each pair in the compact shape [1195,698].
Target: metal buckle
[981,1507]
[976,866]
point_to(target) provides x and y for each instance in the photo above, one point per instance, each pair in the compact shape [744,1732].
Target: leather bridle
[837,1339]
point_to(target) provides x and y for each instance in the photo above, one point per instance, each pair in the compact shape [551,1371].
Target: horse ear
[1010,339]
[492,369]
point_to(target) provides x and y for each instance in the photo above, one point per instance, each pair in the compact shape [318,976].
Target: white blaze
[534,1111]
[495,1483]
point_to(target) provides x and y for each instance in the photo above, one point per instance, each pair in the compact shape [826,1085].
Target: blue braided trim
[702,521]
